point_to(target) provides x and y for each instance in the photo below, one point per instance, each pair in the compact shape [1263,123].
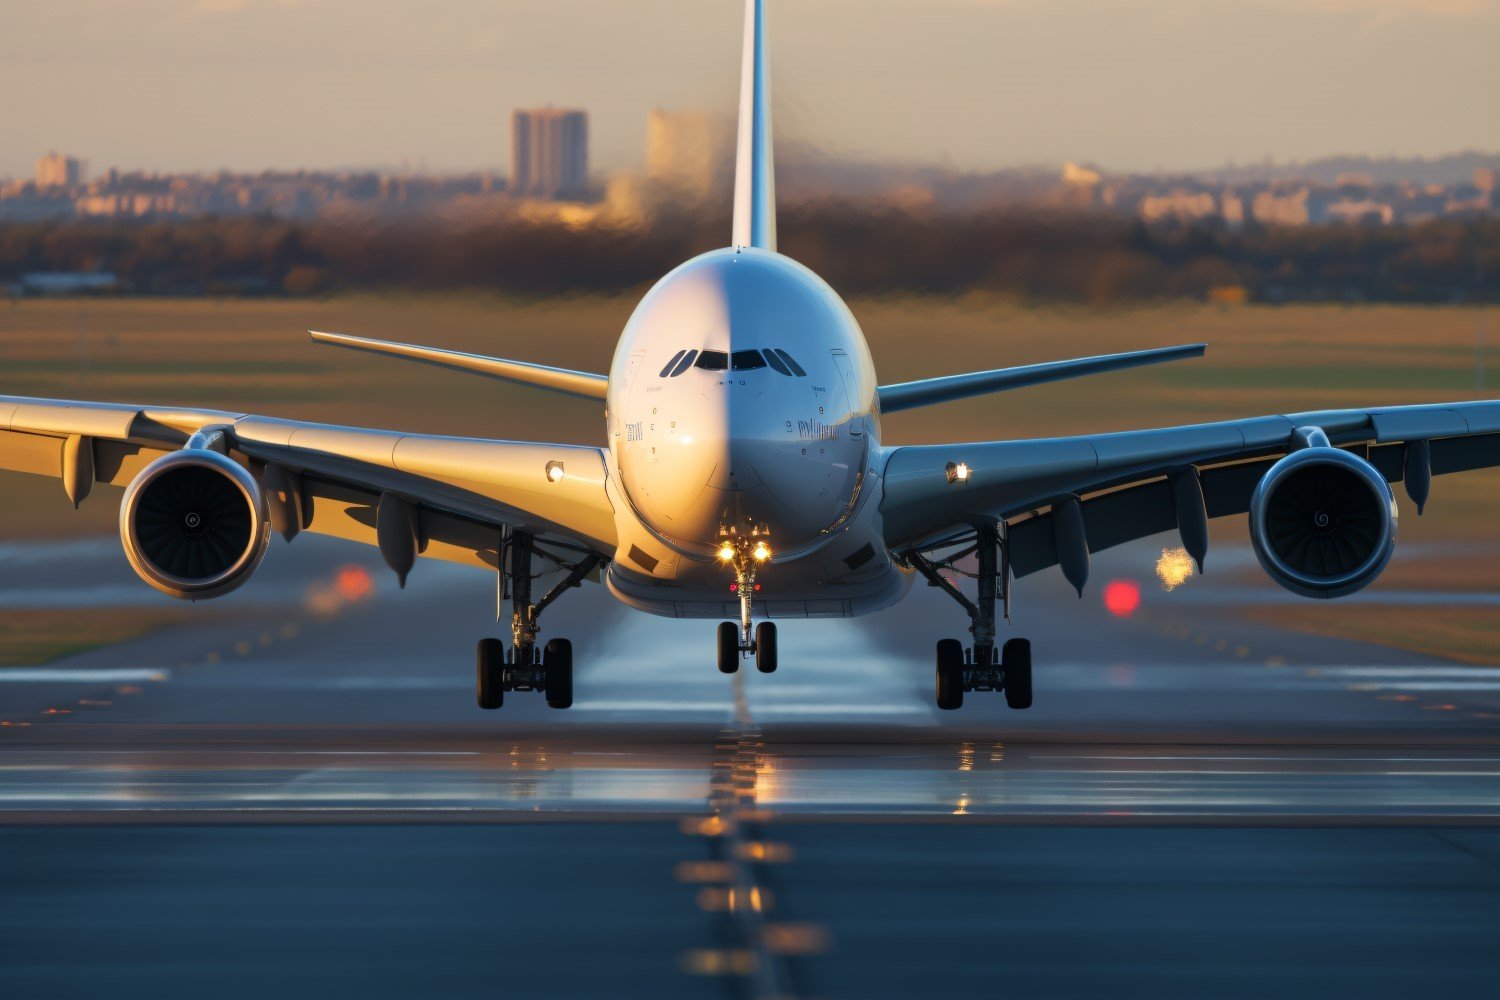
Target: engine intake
[1323,522]
[194,524]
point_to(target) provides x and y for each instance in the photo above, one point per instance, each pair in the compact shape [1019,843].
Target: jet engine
[1323,522]
[194,524]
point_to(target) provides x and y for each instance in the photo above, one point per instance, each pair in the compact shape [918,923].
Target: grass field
[31,636]
[254,356]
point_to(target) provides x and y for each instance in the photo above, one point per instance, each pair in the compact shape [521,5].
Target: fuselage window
[685,363]
[744,361]
[792,364]
[713,361]
[667,368]
[776,363]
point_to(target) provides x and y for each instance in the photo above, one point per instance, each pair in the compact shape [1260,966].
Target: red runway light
[353,583]
[1122,597]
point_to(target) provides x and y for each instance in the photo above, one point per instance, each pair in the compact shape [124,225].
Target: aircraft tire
[729,647]
[489,681]
[1016,662]
[950,674]
[765,647]
[557,666]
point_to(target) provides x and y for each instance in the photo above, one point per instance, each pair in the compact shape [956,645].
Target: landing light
[554,472]
[958,472]
[726,552]
[761,552]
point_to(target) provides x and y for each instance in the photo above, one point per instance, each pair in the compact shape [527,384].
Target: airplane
[744,477]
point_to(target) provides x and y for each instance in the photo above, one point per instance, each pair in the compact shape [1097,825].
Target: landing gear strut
[523,667]
[981,667]
[744,552]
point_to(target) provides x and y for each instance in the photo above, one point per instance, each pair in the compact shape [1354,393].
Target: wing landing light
[910,395]
[562,380]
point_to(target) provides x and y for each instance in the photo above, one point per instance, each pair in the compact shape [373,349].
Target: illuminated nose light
[958,472]
[726,552]
[554,472]
[761,552]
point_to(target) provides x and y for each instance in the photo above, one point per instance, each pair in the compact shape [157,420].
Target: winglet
[755,168]
[562,380]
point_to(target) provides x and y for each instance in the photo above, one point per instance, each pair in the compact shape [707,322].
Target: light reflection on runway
[310,780]
[920,780]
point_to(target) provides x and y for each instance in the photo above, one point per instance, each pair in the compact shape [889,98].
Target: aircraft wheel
[489,681]
[950,674]
[1016,661]
[765,647]
[729,647]
[557,667]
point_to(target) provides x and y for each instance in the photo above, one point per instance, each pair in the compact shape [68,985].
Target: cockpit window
[791,363]
[685,363]
[776,363]
[667,368]
[713,361]
[744,361]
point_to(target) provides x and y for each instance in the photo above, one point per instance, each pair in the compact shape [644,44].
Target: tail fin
[755,169]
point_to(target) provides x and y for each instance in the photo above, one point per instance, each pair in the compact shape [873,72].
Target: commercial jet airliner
[744,476]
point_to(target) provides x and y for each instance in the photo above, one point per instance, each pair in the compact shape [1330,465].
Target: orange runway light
[354,583]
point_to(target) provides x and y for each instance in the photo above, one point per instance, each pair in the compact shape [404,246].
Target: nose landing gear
[744,552]
[981,667]
[523,667]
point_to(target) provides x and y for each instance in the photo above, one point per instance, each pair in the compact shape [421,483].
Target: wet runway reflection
[925,780]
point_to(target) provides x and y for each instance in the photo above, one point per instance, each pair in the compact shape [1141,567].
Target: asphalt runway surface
[293,792]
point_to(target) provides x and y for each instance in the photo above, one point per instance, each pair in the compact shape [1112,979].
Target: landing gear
[765,647]
[557,670]
[1015,664]
[744,552]
[489,687]
[981,667]
[523,667]
[729,648]
[950,674]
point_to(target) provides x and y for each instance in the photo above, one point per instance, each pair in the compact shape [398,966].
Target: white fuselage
[742,391]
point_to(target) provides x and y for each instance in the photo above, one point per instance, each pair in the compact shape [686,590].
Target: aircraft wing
[464,491]
[1124,481]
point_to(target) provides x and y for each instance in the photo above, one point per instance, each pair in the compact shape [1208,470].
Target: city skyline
[1154,84]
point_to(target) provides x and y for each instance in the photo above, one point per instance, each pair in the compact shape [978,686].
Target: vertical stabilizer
[755,172]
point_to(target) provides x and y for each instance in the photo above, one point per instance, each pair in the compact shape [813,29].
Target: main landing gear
[524,667]
[744,552]
[981,667]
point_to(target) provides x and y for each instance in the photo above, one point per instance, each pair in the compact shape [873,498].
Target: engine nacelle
[194,524]
[1323,522]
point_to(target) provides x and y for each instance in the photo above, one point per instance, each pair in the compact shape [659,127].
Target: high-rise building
[690,151]
[55,170]
[549,153]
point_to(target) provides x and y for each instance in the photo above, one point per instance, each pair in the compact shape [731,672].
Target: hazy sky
[246,84]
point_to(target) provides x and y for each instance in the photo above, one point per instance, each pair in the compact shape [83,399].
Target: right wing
[465,491]
[926,392]
[1121,484]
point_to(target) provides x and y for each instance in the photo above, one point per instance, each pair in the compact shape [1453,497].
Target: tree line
[859,249]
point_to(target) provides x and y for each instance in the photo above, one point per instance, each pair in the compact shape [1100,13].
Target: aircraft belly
[803,588]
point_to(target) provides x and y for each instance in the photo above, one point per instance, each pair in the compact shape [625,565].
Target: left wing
[458,494]
[1123,483]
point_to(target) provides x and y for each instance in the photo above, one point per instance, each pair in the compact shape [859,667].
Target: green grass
[29,636]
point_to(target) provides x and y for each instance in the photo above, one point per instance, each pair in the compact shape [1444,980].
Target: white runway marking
[65,675]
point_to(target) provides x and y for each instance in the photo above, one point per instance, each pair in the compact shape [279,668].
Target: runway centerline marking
[758,950]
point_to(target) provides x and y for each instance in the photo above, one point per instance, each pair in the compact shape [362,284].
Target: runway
[295,792]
